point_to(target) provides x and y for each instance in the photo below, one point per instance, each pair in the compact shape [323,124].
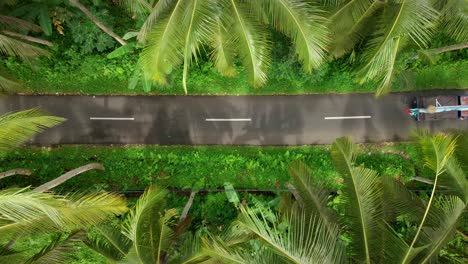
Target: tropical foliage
[16,128]
[306,231]
[384,29]
[379,42]
[177,31]
[26,212]
[149,234]
[373,32]
[14,41]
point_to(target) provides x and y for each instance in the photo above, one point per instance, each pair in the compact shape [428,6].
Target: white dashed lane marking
[346,117]
[228,119]
[113,118]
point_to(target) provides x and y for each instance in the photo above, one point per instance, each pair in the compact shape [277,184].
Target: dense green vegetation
[184,167]
[77,62]
[393,203]
[97,75]
[27,213]
[202,167]
[229,47]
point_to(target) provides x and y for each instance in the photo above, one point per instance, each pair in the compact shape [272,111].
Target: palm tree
[25,212]
[13,42]
[149,234]
[309,230]
[175,31]
[379,30]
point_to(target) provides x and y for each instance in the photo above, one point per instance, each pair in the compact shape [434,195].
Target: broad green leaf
[123,50]
[130,35]
[231,193]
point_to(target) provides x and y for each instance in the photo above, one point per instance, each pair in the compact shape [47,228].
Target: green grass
[97,75]
[137,167]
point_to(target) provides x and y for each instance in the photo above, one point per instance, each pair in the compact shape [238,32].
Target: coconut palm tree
[25,212]
[310,232]
[149,234]
[379,30]
[175,32]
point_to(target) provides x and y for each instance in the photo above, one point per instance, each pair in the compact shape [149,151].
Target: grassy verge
[133,167]
[97,75]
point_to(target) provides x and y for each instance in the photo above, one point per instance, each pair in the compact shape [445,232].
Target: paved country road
[238,120]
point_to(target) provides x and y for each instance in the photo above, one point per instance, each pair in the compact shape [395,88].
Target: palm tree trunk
[29,38]
[295,194]
[65,177]
[458,46]
[15,172]
[187,206]
[96,21]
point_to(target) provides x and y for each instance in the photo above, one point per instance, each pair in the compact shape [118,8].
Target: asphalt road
[238,120]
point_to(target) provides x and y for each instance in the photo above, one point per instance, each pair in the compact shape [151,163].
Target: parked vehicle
[439,107]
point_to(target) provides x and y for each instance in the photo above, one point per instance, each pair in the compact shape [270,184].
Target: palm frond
[306,240]
[199,25]
[304,24]
[16,128]
[461,151]
[91,209]
[400,201]
[189,251]
[24,206]
[455,178]
[13,47]
[362,194]
[218,251]
[314,198]
[392,245]
[436,236]
[137,6]
[57,250]
[8,255]
[224,50]
[165,43]
[454,18]
[155,16]
[149,226]
[109,242]
[23,37]
[7,84]
[18,24]
[403,21]
[437,151]
[71,213]
[252,42]
[348,24]
[222,250]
